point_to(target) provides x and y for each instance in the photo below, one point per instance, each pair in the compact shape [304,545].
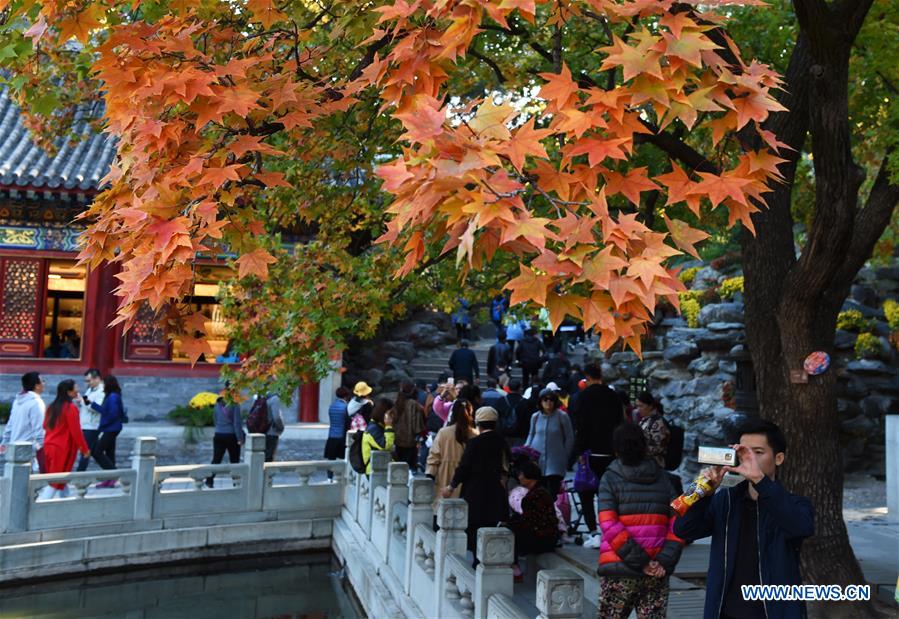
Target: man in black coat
[499,357]
[596,413]
[531,354]
[482,473]
[464,363]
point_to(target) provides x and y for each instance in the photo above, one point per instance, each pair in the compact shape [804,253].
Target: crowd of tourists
[507,450]
[89,422]
[74,423]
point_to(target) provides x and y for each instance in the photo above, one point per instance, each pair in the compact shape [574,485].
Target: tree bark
[792,303]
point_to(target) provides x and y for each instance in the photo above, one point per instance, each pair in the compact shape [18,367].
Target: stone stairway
[430,364]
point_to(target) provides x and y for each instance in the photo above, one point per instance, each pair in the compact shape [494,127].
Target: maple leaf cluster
[488,181]
[210,102]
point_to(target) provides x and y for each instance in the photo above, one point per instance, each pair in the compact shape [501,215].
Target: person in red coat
[63,438]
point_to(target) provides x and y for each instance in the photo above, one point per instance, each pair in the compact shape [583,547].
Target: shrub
[730,287]
[709,296]
[688,275]
[689,308]
[891,311]
[853,320]
[193,419]
[203,399]
[868,346]
[5,408]
[694,295]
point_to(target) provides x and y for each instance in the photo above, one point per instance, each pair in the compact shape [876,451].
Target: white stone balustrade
[147,492]
[379,525]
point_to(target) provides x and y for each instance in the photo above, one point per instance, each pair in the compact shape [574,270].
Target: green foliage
[193,420]
[730,287]
[690,308]
[891,311]
[853,320]
[868,346]
[688,275]
[5,408]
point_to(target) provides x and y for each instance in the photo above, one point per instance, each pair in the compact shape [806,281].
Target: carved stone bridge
[379,527]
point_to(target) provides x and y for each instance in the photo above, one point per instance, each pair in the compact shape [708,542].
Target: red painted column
[309,403]
[100,307]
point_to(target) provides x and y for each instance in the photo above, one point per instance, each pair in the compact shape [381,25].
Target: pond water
[291,587]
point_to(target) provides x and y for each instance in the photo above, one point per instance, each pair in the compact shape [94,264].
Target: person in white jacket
[89,418]
[26,418]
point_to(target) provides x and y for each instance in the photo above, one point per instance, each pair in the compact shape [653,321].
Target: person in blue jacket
[757,528]
[112,413]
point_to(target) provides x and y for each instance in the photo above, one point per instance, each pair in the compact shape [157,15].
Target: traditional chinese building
[54,314]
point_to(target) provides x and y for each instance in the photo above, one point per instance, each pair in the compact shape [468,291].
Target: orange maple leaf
[598,311]
[631,184]
[684,236]
[680,188]
[526,141]
[560,306]
[255,263]
[633,60]
[422,118]
[598,149]
[219,176]
[265,12]
[559,87]
[528,286]
[720,187]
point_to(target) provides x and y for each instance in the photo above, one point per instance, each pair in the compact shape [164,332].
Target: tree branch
[490,63]
[870,222]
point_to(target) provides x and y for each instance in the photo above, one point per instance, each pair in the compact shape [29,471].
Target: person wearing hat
[552,435]
[482,474]
[360,407]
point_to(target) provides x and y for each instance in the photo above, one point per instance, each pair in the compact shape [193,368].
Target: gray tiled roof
[23,164]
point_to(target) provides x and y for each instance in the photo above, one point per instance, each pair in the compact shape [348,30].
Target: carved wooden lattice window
[146,339]
[20,306]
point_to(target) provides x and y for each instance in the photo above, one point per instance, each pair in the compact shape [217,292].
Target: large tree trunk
[792,303]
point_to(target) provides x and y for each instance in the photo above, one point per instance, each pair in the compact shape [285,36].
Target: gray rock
[739,349]
[848,408]
[720,341]
[881,384]
[681,352]
[681,334]
[703,386]
[728,366]
[726,326]
[704,365]
[651,355]
[399,350]
[857,426]
[876,405]
[610,372]
[721,312]
[393,363]
[866,295]
[373,377]
[706,277]
[624,357]
[867,312]
[856,388]
[393,378]
[669,373]
[891,272]
[869,366]
[844,340]
[674,389]
[674,322]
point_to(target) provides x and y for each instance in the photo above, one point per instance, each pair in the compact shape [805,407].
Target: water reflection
[292,587]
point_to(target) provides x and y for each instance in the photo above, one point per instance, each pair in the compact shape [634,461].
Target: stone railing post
[397,491]
[560,594]
[892,468]
[379,462]
[254,456]
[419,511]
[494,572]
[377,479]
[143,461]
[15,503]
[452,518]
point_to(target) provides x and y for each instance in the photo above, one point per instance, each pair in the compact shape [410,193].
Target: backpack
[258,422]
[675,452]
[355,457]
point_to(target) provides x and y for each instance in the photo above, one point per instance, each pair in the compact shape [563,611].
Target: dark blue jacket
[784,521]
[111,412]
[464,364]
[338,419]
